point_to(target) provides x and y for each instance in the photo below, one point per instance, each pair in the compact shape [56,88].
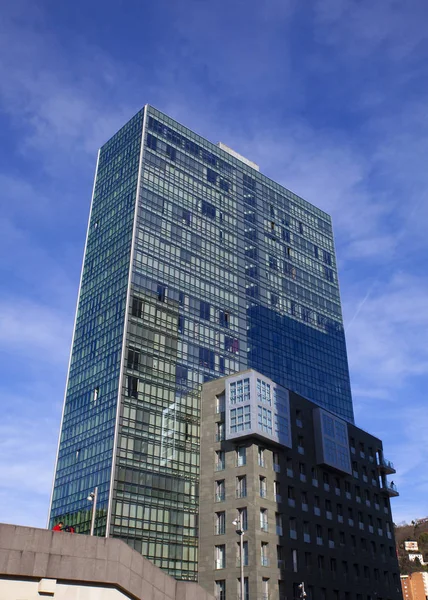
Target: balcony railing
[386,466]
[389,488]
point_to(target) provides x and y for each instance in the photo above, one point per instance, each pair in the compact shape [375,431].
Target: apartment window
[277,491]
[224,318]
[264,416]
[240,418]
[245,554]
[314,475]
[220,557]
[340,513]
[246,589]
[261,456]
[319,535]
[342,538]
[321,562]
[350,517]
[326,481]
[337,486]
[263,519]
[360,520]
[220,523]
[241,456]
[262,487]
[355,469]
[293,528]
[241,486]
[362,453]
[278,523]
[291,496]
[328,512]
[219,436]
[220,590]
[243,518]
[348,490]
[304,498]
[219,404]
[352,444]
[330,538]
[333,565]
[294,560]
[239,391]
[133,359]
[219,460]
[299,421]
[275,458]
[132,386]
[317,506]
[280,557]
[289,467]
[306,532]
[264,555]
[161,292]
[302,472]
[365,477]
[264,392]
[220,491]
[300,445]
[265,588]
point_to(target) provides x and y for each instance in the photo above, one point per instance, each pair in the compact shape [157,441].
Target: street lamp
[240,532]
[93,497]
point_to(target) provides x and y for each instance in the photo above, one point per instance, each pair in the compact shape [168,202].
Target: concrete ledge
[42,554]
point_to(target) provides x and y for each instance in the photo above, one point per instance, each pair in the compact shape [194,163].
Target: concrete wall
[85,568]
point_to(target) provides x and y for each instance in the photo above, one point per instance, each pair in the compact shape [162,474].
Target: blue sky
[330,97]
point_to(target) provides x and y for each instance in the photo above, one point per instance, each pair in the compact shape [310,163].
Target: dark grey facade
[315,509]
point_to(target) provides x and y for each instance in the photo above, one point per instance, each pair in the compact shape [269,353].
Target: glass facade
[196,266]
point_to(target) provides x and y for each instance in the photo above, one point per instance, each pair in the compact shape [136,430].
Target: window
[264,392]
[239,391]
[240,418]
[275,459]
[219,436]
[204,310]
[220,590]
[262,487]
[306,532]
[132,386]
[241,486]
[220,557]
[224,318]
[96,394]
[319,535]
[137,307]
[161,292]
[220,490]
[219,404]
[302,472]
[278,523]
[277,491]
[219,460]
[299,421]
[264,419]
[314,475]
[151,142]
[211,176]
[280,557]
[300,445]
[293,528]
[317,506]
[263,519]
[171,152]
[206,358]
[243,518]
[220,523]
[261,456]
[294,561]
[304,498]
[241,456]
[186,217]
[246,589]
[245,554]
[264,554]
[208,209]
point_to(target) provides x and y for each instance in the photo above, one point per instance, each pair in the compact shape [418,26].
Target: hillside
[417,531]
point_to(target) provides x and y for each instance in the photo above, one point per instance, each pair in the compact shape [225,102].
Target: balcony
[386,466]
[389,488]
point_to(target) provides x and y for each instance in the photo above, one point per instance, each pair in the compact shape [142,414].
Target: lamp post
[93,497]
[240,532]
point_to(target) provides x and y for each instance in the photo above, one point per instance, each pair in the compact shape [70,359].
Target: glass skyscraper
[196,266]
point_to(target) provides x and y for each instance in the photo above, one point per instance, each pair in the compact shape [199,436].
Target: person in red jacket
[58,527]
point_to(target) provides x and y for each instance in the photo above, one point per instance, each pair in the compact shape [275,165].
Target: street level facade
[196,266]
[297,493]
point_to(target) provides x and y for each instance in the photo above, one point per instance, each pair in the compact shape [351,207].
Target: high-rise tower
[196,266]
